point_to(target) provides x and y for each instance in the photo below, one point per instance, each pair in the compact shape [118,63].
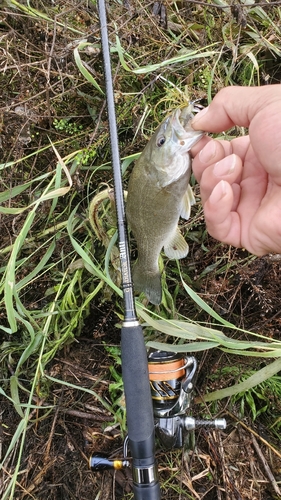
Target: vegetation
[60,297]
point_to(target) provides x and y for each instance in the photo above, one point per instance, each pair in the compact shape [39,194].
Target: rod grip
[140,419]
[151,492]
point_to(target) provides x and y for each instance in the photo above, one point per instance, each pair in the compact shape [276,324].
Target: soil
[241,462]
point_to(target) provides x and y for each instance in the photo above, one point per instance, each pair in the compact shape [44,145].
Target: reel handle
[100,462]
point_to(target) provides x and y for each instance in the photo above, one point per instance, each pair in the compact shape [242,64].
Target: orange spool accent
[166,371]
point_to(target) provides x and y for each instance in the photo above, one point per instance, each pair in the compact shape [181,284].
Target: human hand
[240,180]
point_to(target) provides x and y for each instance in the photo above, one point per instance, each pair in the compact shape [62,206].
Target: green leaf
[192,347]
[81,66]
[256,379]
[15,394]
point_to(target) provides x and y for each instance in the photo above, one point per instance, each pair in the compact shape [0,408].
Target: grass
[57,267]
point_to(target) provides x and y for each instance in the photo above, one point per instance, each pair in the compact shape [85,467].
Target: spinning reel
[172,377]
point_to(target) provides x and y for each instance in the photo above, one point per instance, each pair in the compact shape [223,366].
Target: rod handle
[151,492]
[140,418]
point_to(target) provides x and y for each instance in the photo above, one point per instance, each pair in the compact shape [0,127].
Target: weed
[64,125]
[262,399]
[116,388]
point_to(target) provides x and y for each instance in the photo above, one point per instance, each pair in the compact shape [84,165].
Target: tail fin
[148,282]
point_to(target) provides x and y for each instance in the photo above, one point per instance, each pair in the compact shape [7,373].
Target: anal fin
[176,247]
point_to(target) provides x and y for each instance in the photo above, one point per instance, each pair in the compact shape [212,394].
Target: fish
[158,194]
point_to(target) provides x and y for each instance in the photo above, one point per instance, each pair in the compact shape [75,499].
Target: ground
[61,389]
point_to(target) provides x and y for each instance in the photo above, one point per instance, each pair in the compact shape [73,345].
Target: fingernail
[208,152]
[225,166]
[218,192]
[198,117]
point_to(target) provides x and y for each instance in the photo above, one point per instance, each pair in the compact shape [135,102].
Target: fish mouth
[181,117]
[182,132]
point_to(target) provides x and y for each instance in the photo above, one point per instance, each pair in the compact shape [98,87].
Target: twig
[188,480]
[1,433]
[82,372]
[223,465]
[266,467]
[51,435]
[254,433]
[264,4]
[50,57]
[37,480]
[88,416]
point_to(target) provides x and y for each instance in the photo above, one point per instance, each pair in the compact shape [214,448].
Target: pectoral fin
[176,247]
[187,202]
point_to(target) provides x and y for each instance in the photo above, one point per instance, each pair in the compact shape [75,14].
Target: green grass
[54,262]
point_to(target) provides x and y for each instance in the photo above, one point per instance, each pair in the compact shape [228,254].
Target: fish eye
[160,141]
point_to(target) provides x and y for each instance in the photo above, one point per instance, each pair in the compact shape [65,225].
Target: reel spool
[171,381]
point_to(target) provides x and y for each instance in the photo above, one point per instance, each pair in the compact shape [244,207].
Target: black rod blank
[130,312]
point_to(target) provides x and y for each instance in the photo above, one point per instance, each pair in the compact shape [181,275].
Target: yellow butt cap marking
[118,464]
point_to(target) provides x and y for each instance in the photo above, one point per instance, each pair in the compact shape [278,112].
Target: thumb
[236,106]
[258,108]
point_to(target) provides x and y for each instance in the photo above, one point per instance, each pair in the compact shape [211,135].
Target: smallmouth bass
[158,194]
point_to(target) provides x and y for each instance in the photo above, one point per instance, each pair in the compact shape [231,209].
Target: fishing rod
[140,418]
[158,386]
